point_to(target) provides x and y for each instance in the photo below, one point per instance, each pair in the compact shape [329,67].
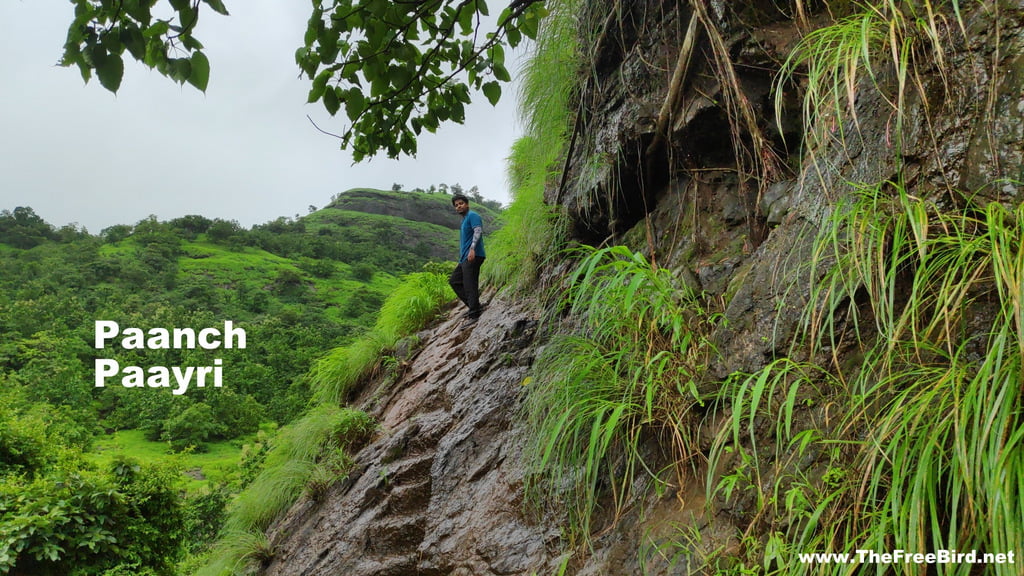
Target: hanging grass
[529,233]
[630,367]
[931,420]
[885,41]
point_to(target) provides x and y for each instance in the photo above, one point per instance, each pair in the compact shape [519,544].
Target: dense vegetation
[298,287]
[901,388]
[901,385]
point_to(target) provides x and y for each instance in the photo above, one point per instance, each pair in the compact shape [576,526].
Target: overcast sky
[243,151]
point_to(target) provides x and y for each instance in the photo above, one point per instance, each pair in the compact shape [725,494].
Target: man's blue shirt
[469,221]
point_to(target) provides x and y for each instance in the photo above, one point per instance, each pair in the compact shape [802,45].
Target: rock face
[440,490]
[416,207]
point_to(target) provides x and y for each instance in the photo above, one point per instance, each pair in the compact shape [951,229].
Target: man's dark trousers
[465,280]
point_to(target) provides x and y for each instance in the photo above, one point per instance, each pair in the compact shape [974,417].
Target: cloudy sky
[243,151]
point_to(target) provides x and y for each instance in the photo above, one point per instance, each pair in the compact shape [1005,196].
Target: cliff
[760,198]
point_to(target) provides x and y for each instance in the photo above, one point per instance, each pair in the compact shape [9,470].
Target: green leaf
[111,40]
[180,70]
[84,69]
[189,41]
[400,76]
[140,11]
[378,86]
[466,18]
[328,39]
[528,24]
[500,73]
[377,7]
[307,62]
[513,36]
[200,75]
[156,55]
[313,27]
[407,143]
[109,69]
[355,103]
[217,6]
[350,72]
[492,90]
[187,16]
[158,29]
[134,41]
[331,102]
[319,86]
[497,54]
[461,93]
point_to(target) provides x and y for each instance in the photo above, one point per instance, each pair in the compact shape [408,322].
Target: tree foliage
[397,68]
[81,521]
[103,30]
[23,228]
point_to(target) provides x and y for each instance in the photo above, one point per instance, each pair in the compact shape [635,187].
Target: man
[465,279]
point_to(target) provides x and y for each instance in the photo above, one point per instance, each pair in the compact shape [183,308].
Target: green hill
[173,453]
[298,286]
[410,226]
[393,231]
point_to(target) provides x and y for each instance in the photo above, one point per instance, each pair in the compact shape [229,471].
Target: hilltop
[411,226]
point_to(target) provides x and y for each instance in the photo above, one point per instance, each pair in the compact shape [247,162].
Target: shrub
[81,523]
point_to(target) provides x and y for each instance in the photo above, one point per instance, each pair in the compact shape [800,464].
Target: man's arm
[478,232]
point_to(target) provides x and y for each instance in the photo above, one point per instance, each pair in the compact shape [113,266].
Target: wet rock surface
[439,489]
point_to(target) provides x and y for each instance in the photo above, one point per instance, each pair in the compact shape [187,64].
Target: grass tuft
[630,366]
[925,448]
[529,233]
[301,452]
[411,306]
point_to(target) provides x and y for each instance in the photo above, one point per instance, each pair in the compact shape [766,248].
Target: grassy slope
[423,213]
[229,268]
[220,462]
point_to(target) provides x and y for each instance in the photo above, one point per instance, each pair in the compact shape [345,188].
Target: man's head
[461,203]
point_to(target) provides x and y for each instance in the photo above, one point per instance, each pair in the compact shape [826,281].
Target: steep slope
[439,490]
[838,393]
